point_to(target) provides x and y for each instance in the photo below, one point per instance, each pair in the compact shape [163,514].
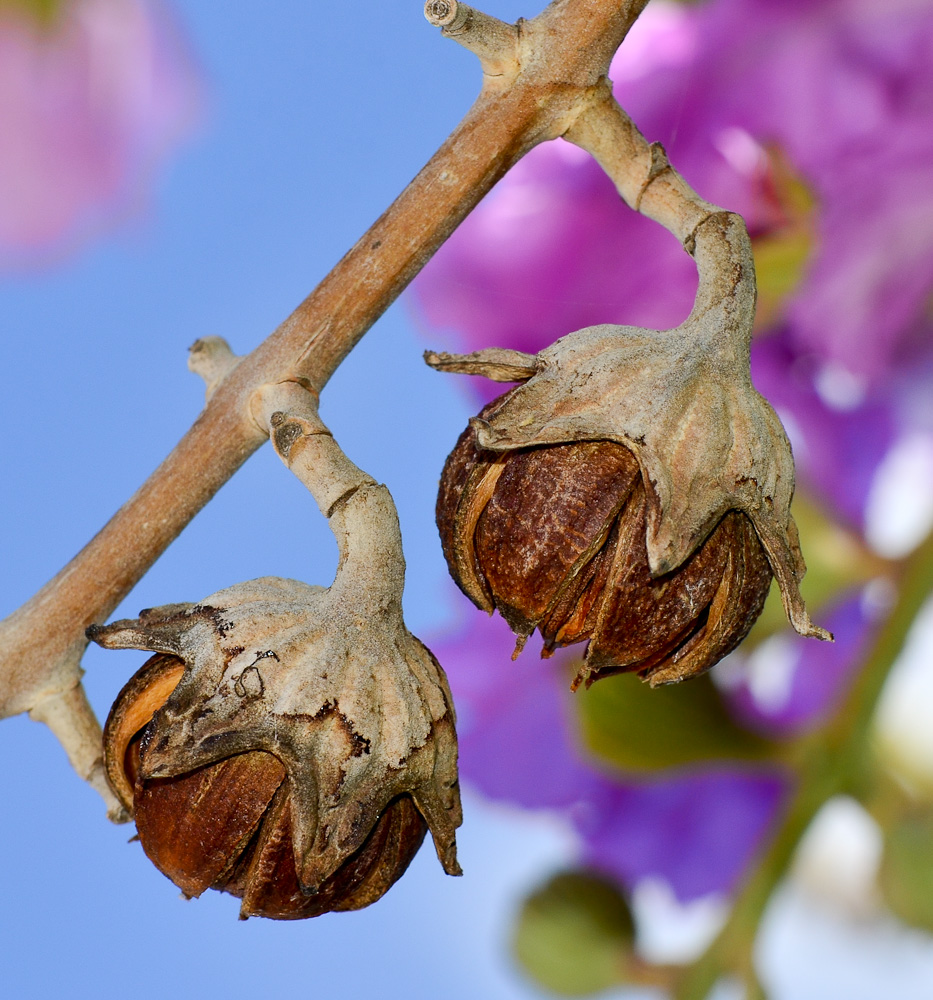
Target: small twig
[72,720]
[493,41]
[213,360]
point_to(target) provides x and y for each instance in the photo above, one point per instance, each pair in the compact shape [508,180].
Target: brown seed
[268,884]
[228,826]
[554,537]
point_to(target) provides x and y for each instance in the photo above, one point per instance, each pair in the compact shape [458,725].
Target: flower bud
[227,826]
[634,491]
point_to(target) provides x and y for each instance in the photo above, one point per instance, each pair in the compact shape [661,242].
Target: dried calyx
[291,744]
[634,491]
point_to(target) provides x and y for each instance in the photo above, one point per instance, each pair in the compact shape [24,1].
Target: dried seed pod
[309,736]
[554,538]
[227,826]
[634,491]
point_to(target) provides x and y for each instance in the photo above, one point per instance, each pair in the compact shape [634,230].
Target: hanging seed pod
[291,744]
[633,492]
[227,826]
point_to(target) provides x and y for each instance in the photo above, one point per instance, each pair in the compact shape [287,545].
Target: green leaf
[906,875]
[639,728]
[574,934]
[780,263]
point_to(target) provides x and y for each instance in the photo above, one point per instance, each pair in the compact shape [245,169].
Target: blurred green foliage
[779,263]
[574,934]
[638,728]
[43,11]
[906,875]
[837,560]
[783,251]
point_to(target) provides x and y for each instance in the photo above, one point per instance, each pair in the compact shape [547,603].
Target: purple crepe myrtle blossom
[837,451]
[844,88]
[698,830]
[88,104]
[786,687]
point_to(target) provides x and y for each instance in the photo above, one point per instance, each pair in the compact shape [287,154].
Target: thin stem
[834,761]
[640,170]
[718,240]
[362,514]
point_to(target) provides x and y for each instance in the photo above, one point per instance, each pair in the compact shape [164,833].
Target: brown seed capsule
[635,489]
[554,538]
[227,826]
[309,737]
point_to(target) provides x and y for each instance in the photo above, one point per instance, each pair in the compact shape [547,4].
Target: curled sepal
[682,402]
[498,364]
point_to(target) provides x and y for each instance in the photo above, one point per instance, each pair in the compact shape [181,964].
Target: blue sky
[314,120]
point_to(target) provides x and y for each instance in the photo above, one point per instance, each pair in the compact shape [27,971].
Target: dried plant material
[498,364]
[227,826]
[213,360]
[558,544]
[351,710]
[142,696]
[655,541]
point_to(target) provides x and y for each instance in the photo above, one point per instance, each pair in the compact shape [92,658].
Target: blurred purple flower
[88,104]
[845,89]
[697,830]
[837,452]
[787,686]
[550,250]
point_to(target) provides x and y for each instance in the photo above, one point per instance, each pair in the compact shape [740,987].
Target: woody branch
[555,61]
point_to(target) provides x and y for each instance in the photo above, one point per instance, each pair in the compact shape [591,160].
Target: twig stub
[446,13]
